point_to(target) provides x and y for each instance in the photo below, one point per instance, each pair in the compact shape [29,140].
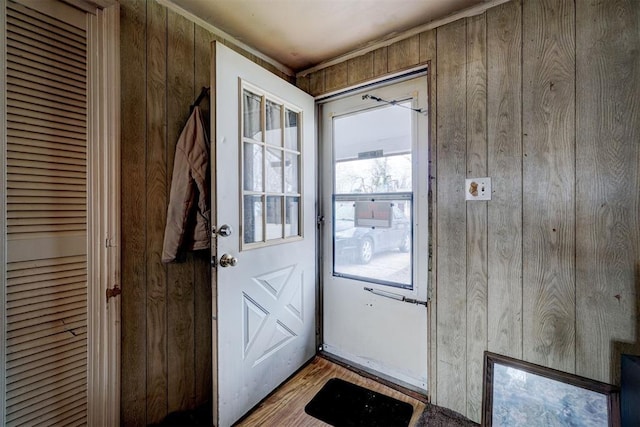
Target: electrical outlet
[477,189]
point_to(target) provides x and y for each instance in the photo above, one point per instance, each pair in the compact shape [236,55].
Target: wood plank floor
[285,407]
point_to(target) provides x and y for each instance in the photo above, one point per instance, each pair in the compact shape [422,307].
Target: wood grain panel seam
[486,165]
[195,88]
[194,391]
[434,229]
[166,186]
[466,216]
[575,189]
[194,279]
[521,17]
[432,283]
[146,209]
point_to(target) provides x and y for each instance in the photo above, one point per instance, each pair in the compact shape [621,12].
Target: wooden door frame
[103,204]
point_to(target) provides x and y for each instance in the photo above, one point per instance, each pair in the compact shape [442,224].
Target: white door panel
[265,304]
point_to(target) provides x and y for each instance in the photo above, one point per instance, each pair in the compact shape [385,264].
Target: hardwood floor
[285,407]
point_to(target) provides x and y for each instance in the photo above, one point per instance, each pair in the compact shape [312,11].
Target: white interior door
[264,310]
[375,242]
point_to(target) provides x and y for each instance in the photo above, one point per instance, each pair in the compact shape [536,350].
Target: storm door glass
[372,200]
[271,159]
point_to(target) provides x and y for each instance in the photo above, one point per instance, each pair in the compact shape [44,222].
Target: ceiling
[303,33]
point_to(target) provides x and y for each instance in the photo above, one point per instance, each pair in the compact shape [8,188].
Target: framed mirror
[518,393]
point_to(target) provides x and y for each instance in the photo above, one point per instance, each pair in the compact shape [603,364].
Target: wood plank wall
[166,309]
[543,96]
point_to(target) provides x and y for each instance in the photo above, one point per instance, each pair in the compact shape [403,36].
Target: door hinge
[113,292]
[320,220]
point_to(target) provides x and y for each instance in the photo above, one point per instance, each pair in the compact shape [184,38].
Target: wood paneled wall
[166,308]
[543,96]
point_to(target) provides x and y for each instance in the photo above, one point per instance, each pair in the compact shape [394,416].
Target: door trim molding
[3,205]
[103,380]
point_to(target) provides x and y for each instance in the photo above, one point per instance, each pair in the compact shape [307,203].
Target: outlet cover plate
[477,189]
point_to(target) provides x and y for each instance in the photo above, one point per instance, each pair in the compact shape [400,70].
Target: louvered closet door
[46,313]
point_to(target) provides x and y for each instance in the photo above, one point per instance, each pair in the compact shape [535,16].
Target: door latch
[223,231]
[226,260]
[113,292]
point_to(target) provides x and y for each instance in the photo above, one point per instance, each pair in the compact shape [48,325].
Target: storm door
[375,255]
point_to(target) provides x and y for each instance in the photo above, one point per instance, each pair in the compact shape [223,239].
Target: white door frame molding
[104,216]
[3,205]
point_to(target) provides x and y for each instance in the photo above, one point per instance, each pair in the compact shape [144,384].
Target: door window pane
[252,173]
[291,175]
[373,241]
[274,170]
[380,175]
[252,221]
[251,115]
[373,234]
[291,130]
[292,216]
[274,128]
[373,151]
[274,217]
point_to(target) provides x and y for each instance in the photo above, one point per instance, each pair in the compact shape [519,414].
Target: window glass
[292,216]
[271,175]
[372,224]
[291,175]
[252,115]
[274,170]
[252,174]
[274,120]
[291,137]
[274,217]
[252,221]
[373,239]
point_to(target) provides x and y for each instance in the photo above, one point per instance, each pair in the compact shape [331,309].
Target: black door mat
[341,403]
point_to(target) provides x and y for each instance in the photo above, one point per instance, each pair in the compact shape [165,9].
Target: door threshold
[375,376]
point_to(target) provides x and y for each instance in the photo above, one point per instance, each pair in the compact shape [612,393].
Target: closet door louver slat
[27,357]
[46,334]
[65,144]
[26,92]
[47,24]
[46,191]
